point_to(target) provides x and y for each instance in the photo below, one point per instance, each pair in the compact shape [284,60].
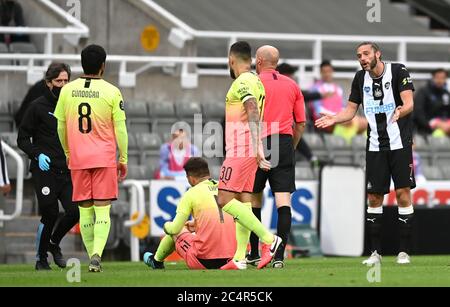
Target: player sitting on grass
[214,240]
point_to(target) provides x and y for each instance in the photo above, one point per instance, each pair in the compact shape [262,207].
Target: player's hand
[44,162]
[122,170]
[396,115]
[5,189]
[325,121]
[190,225]
[261,160]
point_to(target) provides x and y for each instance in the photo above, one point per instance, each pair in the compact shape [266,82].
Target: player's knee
[403,197]
[375,200]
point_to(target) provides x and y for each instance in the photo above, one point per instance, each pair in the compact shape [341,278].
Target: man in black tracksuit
[38,138]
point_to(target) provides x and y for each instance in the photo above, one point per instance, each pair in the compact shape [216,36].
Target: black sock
[405,228]
[254,240]
[283,229]
[374,223]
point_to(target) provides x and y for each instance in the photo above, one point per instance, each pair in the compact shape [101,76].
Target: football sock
[247,219]
[101,228]
[87,228]
[242,237]
[165,248]
[283,229]
[405,219]
[374,222]
[254,240]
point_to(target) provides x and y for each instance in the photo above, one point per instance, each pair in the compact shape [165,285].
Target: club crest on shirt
[378,93]
[45,191]
[387,85]
[367,89]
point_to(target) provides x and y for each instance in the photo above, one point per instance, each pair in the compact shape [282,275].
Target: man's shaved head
[267,58]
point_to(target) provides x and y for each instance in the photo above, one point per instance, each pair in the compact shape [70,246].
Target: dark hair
[196,167]
[374,45]
[439,70]
[286,69]
[92,58]
[326,63]
[54,69]
[242,50]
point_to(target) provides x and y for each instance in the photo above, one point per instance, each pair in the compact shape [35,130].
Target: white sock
[378,210]
[406,210]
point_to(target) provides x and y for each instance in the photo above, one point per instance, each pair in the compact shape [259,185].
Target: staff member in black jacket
[38,138]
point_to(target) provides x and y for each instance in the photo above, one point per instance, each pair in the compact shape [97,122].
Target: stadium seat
[10,138]
[440,148]
[136,172]
[134,153]
[432,172]
[6,119]
[149,144]
[138,116]
[359,144]
[317,145]
[22,47]
[421,146]
[304,173]
[213,111]
[186,111]
[4,49]
[340,151]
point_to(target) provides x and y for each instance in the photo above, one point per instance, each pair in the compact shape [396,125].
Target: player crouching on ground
[207,242]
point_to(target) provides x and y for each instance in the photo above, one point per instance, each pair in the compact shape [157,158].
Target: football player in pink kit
[213,243]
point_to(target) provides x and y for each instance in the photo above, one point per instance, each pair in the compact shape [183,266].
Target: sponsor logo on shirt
[374,107]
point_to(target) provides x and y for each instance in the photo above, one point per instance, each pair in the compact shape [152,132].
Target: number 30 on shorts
[225,174]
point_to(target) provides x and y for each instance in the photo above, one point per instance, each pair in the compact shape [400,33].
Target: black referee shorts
[282,176]
[381,166]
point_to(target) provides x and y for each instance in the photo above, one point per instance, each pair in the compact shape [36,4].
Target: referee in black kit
[385,91]
[38,138]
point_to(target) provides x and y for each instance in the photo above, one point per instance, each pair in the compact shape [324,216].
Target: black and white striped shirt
[4,179]
[379,98]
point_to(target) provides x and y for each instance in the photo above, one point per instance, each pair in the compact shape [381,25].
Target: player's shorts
[382,165]
[282,176]
[185,247]
[95,184]
[238,174]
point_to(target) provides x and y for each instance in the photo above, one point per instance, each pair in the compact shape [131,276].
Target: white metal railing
[306,66]
[137,204]
[19,184]
[76,28]
[317,40]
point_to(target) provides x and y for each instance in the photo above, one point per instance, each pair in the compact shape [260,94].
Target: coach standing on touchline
[385,91]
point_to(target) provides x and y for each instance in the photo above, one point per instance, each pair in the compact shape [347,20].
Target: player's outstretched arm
[345,115]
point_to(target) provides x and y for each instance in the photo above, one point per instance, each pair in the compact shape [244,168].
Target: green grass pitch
[323,271]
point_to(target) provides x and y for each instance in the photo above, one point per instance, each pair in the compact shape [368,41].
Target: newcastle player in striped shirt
[385,91]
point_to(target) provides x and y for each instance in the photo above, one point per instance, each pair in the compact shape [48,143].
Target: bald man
[283,125]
